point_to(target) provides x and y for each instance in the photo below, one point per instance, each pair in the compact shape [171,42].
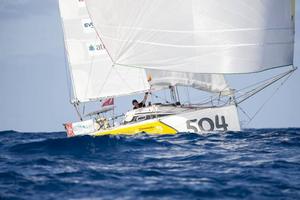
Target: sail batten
[196,36]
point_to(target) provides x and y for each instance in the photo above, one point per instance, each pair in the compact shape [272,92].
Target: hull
[206,120]
[218,119]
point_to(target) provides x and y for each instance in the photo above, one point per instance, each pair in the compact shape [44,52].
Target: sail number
[207,124]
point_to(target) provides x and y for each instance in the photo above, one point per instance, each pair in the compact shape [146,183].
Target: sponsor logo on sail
[95,49]
[87,25]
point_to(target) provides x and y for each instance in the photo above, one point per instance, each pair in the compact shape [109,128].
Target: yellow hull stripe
[154,127]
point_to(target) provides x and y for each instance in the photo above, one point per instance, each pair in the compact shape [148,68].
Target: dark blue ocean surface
[254,164]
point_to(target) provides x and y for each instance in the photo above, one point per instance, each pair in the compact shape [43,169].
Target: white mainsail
[197,36]
[92,72]
[206,82]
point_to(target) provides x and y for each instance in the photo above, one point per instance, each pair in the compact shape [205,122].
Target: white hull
[199,120]
[206,120]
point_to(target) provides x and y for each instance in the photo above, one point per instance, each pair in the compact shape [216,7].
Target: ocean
[253,164]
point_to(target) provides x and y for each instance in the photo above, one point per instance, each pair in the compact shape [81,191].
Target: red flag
[108,102]
[69,129]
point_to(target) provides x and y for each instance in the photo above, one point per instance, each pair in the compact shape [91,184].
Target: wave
[58,143]
[253,164]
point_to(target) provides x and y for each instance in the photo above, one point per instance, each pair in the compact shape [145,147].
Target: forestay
[198,36]
[92,73]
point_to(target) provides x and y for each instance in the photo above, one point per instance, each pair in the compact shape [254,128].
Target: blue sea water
[253,164]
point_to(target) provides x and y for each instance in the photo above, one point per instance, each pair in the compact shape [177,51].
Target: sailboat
[116,48]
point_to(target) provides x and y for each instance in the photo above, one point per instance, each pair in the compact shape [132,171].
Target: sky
[34,94]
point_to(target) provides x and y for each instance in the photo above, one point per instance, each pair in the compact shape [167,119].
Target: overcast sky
[34,92]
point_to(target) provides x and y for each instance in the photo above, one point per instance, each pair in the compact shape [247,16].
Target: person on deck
[137,105]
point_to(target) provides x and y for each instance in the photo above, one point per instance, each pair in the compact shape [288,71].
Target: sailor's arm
[145,98]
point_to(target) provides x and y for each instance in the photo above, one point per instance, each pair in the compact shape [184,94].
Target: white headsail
[197,36]
[92,71]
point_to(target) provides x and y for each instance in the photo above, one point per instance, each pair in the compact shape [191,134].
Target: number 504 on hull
[206,120]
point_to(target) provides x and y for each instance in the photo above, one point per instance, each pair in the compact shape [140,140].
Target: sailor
[137,105]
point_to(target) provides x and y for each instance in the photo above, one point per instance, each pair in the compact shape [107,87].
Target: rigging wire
[67,77]
[265,80]
[269,98]
[265,84]
[260,86]
[77,111]
[244,112]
